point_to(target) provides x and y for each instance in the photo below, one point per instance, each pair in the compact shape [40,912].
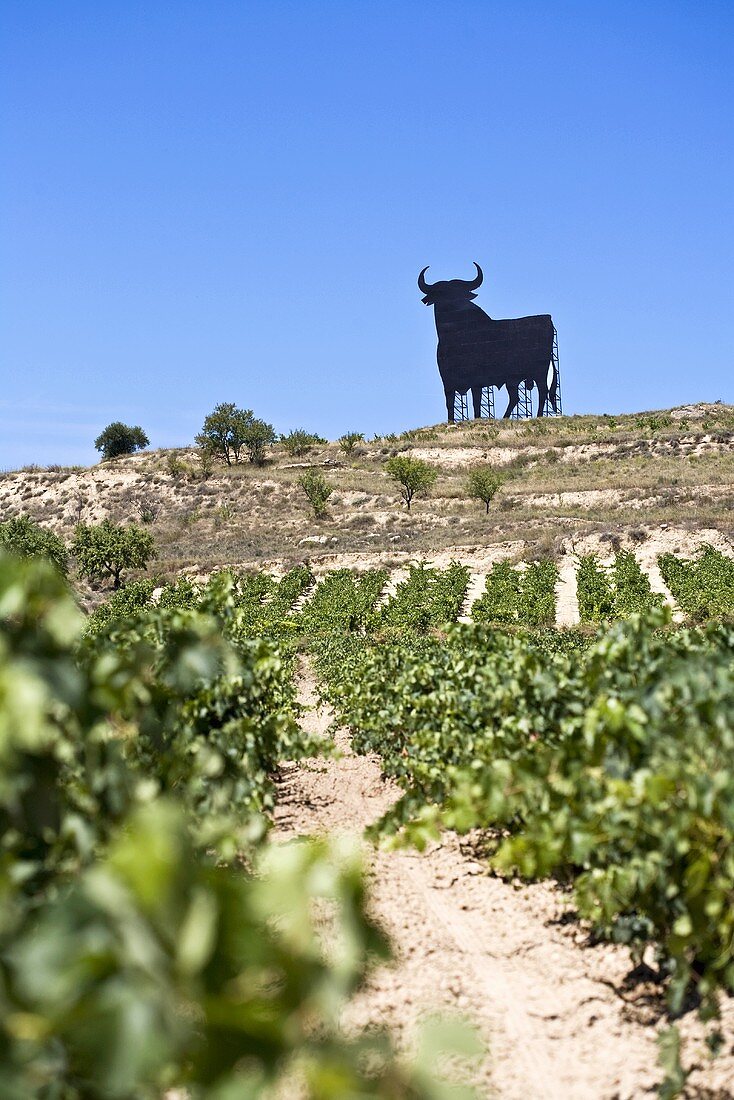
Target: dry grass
[575,475]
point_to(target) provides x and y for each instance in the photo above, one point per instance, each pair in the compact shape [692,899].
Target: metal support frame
[486,408]
[461,407]
[548,410]
[524,408]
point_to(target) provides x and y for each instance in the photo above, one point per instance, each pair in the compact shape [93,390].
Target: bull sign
[475,351]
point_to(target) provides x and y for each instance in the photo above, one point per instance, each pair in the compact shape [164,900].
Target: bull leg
[476,396]
[542,395]
[450,399]
[512,388]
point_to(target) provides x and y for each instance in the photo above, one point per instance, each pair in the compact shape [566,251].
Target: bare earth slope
[563,479]
[557,1018]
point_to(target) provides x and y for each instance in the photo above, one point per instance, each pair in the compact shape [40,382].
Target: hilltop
[632,478]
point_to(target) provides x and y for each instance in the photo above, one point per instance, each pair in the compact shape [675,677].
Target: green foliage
[703,586]
[426,599]
[158,968]
[258,437]
[299,442]
[594,591]
[632,591]
[227,431]
[342,602]
[317,491]
[525,597]
[412,474]
[653,423]
[128,600]
[607,765]
[483,484]
[26,538]
[106,549]
[615,593]
[121,439]
[349,441]
[137,953]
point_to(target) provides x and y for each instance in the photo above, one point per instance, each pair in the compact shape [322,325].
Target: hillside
[655,479]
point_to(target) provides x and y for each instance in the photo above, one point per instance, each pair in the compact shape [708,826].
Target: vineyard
[149,936]
[153,937]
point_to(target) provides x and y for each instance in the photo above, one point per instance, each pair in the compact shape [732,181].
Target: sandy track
[474,591]
[554,1011]
[567,604]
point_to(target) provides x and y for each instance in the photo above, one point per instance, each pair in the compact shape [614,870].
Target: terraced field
[523,725]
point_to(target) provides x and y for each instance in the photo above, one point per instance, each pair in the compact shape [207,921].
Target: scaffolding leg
[461,407]
[549,410]
[524,408]
[487,405]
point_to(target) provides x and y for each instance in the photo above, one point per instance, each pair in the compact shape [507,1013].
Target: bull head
[449,290]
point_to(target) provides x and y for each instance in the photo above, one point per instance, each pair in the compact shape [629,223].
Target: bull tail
[553,391]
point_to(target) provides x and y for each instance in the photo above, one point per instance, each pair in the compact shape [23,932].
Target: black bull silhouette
[475,351]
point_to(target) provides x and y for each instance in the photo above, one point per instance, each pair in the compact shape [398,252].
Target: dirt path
[552,1010]
[567,604]
[474,591]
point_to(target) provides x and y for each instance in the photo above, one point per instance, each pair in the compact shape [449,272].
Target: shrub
[483,484]
[258,436]
[204,458]
[317,490]
[26,538]
[106,549]
[121,439]
[174,465]
[300,442]
[412,474]
[148,510]
[349,441]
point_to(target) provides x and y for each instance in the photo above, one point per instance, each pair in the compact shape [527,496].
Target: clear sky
[230,201]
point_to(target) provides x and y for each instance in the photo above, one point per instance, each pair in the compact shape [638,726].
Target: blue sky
[231,201]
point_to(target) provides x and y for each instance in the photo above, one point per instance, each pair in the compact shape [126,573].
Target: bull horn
[474,284]
[423,286]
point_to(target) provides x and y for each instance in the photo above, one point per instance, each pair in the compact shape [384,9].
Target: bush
[483,484]
[26,538]
[105,550]
[258,436]
[148,509]
[299,442]
[412,474]
[349,441]
[317,490]
[121,439]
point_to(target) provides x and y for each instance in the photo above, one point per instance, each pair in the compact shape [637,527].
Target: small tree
[300,442]
[349,441]
[483,484]
[317,490]
[104,550]
[223,432]
[121,439]
[412,474]
[228,430]
[26,538]
[256,438]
